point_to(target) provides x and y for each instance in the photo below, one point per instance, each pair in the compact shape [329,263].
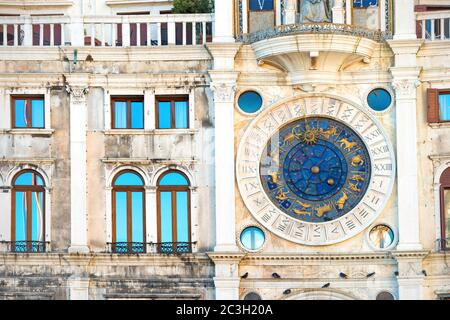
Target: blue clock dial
[315,169]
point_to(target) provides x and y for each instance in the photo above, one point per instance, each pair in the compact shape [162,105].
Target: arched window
[128,218]
[174,227]
[28,212]
[445,209]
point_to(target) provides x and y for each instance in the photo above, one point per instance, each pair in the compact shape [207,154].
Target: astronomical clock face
[316,170]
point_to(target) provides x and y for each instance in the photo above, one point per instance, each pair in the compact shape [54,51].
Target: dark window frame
[28,101]
[28,190]
[443,91]
[433,107]
[173,190]
[444,185]
[128,100]
[172,100]
[129,190]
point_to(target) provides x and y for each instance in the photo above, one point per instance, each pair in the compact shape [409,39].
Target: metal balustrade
[308,28]
[26,246]
[106,31]
[171,248]
[434,25]
[443,244]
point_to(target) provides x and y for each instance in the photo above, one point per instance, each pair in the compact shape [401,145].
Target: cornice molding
[36,3]
[116,54]
[420,254]
[115,3]
[108,81]
[319,257]
[101,259]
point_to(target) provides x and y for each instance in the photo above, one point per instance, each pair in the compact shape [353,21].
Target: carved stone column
[405,80]
[78,183]
[406,125]
[224,88]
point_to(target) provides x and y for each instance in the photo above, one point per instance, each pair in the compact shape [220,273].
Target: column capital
[405,88]
[77,93]
[223,85]
[405,81]
[223,92]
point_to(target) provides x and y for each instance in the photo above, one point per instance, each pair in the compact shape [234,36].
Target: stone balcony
[433,25]
[322,47]
[106,31]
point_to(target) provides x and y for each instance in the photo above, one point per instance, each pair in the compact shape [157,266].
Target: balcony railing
[25,246]
[443,244]
[434,25]
[107,31]
[172,248]
[323,28]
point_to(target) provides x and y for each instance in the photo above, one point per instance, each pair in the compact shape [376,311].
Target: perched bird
[396,273]
[326,285]
[276,275]
[287,291]
[244,276]
[343,275]
[424,273]
[370,274]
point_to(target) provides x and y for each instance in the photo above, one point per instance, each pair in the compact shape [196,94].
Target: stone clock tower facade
[328,202]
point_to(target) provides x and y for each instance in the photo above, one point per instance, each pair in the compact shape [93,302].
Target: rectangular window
[127,112]
[444,106]
[172,112]
[28,112]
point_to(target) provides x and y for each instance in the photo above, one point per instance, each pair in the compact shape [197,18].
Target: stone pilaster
[405,80]
[227,279]
[410,275]
[223,21]
[78,165]
[223,87]
[290,11]
[338,12]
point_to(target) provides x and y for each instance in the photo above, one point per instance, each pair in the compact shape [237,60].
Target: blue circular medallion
[315,169]
[379,99]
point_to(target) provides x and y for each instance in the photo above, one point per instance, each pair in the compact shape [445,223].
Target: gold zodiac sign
[353,187]
[282,196]
[274,176]
[291,137]
[322,210]
[302,213]
[303,205]
[310,135]
[341,201]
[357,177]
[357,161]
[328,133]
[348,145]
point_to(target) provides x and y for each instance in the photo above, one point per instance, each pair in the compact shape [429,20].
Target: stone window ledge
[440,125]
[33,132]
[150,132]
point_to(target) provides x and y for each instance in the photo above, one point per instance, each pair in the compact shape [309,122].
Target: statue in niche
[314,11]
